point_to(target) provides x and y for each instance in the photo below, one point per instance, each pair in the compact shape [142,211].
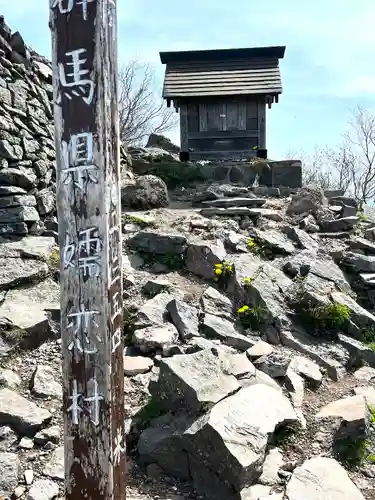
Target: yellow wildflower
[243,309]
[218,271]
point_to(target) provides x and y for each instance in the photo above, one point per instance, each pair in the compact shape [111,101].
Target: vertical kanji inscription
[84,50]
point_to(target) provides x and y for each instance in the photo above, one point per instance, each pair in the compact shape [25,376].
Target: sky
[328,69]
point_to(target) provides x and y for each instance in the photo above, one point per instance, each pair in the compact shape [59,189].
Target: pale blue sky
[328,69]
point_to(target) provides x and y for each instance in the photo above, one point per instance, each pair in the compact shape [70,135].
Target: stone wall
[27,149]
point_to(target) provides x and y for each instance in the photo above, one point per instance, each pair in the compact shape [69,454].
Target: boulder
[231,440]
[224,330]
[162,142]
[148,191]
[353,414]
[216,303]
[192,381]
[44,383]
[320,478]
[201,258]
[184,317]
[25,416]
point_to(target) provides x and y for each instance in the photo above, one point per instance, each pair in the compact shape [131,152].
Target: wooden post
[84,48]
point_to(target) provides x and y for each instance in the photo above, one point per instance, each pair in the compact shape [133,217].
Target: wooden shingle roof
[222,72]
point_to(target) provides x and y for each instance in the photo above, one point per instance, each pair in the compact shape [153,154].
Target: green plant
[356,452]
[252,317]
[257,247]
[246,282]
[368,337]
[362,217]
[330,316]
[299,277]
[128,324]
[286,435]
[169,260]
[351,452]
[223,272]
[174,175]
[172,261]
[151,410]
[139,220]
[54,258]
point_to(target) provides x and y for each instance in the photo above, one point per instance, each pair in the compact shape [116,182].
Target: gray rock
[344,200]
[353,413]
[337,225]
[9,379]
[370,233]
[360,316]
[309,224]
[160,141]
[30,309]
[9,465]
[271,466]
[26,443]
[266,292]
[25,416]
[365,373]
[154,311]
[237,365]
[184,318]
[359,243]
[192,381]
[215,327]
[155,338]
[231,440]
[17,200]
[214,302]
[329,355]
[44,383]
[228,212]
[320,478]
[55,466]
[235,202]
[308,369]
[359,262]
[8,438]
[368,393]
[31,247]
[15,215]
[15,272]
[50,434]
[202,258]
[274,364]
[322,267]
[259,350]
[148,191]
[259,378]
[358,350]
[275,241]
[43,489]
[309,199]
[255,492]
[134,365]
[158,243]
[18,229]
[154,286]
[161,443]
[29,476]
[303,239]
[296,387]
[348,211]
[46,201]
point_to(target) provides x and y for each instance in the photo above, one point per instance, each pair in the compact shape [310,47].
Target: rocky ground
[273,402]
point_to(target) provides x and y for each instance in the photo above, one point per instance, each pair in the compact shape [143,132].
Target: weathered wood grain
[84,49]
